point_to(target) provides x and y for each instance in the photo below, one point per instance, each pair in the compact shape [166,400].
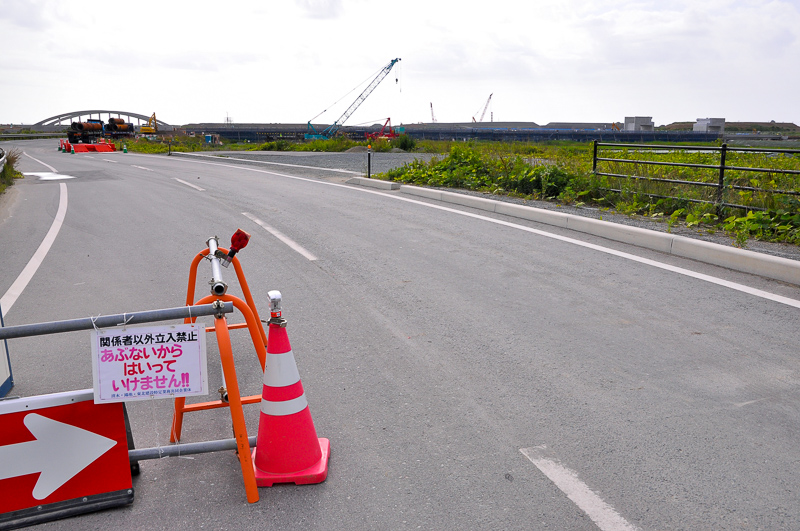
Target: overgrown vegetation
[10,172]
[562,172]
[339,144]
[332,145]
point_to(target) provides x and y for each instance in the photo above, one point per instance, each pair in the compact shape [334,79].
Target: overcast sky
[285,62]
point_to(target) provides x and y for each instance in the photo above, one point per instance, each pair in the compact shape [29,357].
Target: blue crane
[331,130]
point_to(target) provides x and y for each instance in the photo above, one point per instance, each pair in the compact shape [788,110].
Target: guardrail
[24,136]
[722,184]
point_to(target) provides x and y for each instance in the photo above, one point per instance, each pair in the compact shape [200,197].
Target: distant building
[639,123]
[709,125]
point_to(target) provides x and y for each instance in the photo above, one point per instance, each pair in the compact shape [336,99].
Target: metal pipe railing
[106,321]
[721,184]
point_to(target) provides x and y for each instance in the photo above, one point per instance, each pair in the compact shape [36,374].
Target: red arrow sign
[60,447]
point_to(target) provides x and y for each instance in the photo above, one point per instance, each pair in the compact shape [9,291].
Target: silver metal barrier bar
[107,321]
[175,450]
[218,287]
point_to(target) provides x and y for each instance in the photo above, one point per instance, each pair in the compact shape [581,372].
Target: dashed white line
[576,490]
[13,293]
[141,167]
[109,160]
[282,237]
[190,185]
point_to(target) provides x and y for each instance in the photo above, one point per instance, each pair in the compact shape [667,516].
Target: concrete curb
[742,260]
[374,183]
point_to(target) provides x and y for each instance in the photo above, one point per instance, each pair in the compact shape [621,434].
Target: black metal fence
[728,177]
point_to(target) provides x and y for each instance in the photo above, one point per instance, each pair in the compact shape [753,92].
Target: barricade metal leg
[237,414]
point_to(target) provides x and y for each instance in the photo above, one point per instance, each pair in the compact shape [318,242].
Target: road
[469,374]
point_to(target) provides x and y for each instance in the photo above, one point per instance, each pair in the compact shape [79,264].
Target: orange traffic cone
[287,449]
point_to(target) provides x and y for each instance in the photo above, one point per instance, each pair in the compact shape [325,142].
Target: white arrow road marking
[47,175]
[59,452]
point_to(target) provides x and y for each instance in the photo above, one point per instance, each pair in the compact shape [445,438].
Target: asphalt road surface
[469,374]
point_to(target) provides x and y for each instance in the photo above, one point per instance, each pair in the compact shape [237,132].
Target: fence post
[594,156]
[721,188]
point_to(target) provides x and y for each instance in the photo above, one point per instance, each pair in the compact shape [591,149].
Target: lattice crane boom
[334,127]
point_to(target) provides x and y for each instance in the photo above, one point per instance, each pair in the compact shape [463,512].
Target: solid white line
[52,169]
[282,237]
[189,185]
[141,167]
[679,270]
[576,490]
[13,293]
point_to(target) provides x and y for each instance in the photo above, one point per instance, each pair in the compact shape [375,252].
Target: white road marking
[109,160]
[47,175]
[576,490]
[627,256]
[52,169]
[13,293]
[282,237]
[141,167]
[190,185]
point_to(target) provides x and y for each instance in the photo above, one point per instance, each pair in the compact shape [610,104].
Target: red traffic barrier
[287,448]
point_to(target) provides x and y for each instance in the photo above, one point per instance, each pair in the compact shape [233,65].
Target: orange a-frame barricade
[235,400]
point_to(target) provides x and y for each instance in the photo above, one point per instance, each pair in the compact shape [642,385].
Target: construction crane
[433,118]
[383,133]
[484,108]
[331,130]
[151,127]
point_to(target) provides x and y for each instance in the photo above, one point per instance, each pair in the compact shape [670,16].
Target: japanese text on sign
[149,362]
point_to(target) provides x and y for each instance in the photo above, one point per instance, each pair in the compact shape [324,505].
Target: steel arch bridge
[57,120]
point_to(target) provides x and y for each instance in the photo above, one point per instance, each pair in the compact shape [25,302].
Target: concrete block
[469,201]
[421,192]
[649,239]
[738,259]
[548,217]
[374,183]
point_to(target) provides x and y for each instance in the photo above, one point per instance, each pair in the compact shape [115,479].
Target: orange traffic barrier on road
[94,148]
[287,448]
[230,397]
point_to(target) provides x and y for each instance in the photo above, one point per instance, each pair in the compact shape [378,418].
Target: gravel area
[382,162]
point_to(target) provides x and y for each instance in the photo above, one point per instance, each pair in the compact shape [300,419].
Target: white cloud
[546,60]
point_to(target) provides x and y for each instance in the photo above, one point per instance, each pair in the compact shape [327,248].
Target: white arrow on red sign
[59,452]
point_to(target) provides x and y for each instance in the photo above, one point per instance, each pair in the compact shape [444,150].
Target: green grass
[562,172]
[10,172]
